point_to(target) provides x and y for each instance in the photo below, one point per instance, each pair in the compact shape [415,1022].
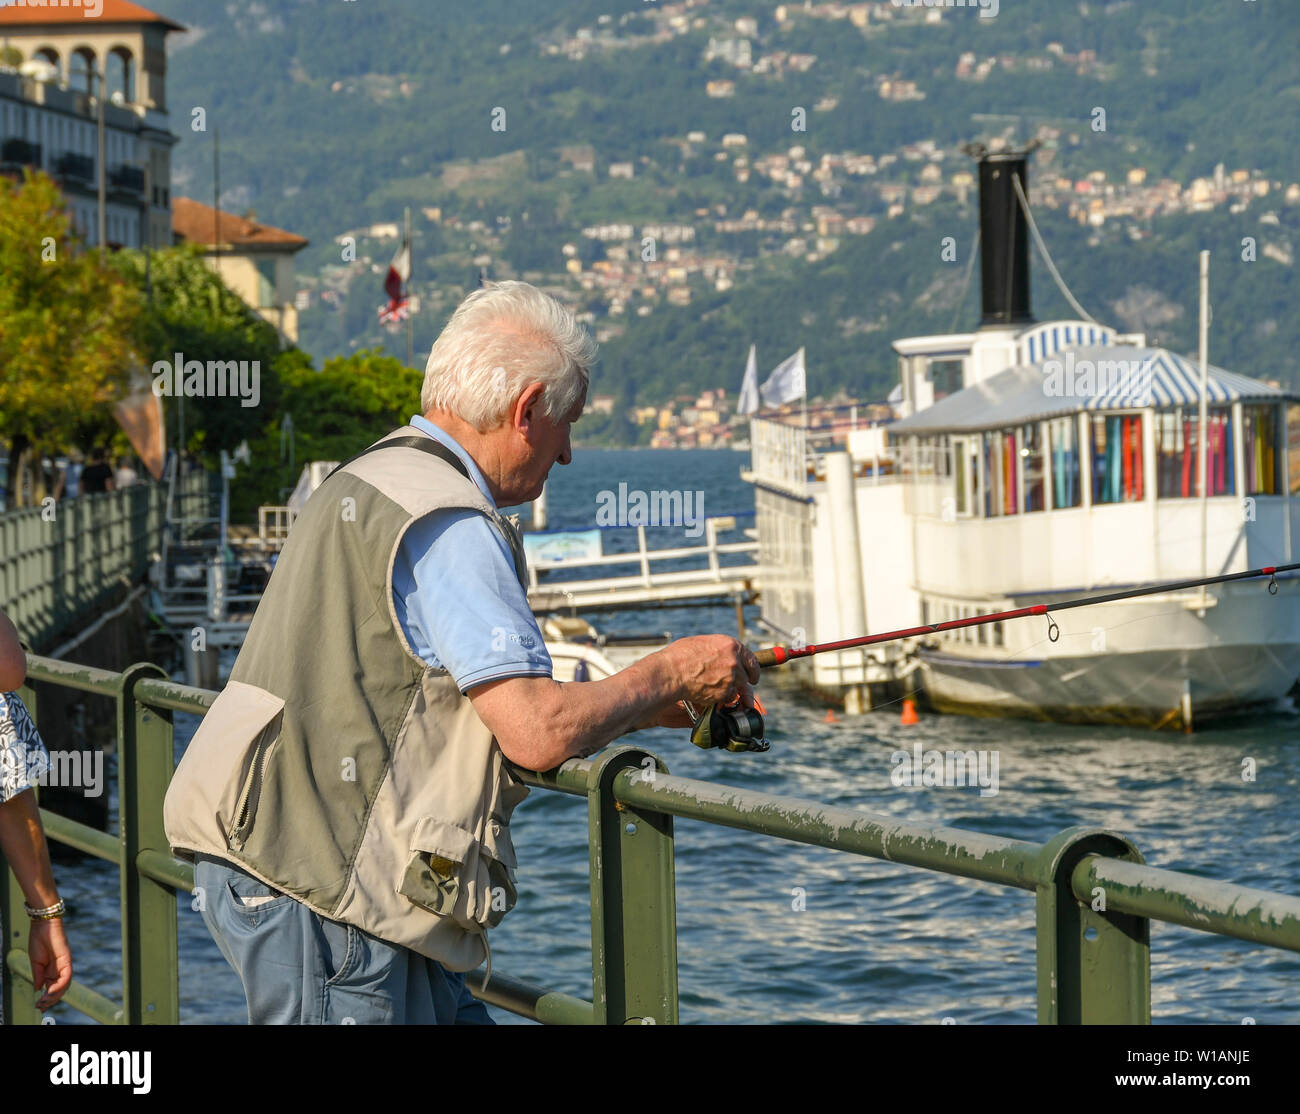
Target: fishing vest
[336,765]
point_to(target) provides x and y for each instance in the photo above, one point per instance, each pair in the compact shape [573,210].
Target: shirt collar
[439,434]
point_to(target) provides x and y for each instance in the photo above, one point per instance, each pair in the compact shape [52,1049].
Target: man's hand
[713,669]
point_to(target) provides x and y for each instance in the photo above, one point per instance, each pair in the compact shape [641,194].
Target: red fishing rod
[739,729]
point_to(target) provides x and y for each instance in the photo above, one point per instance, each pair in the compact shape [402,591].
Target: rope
[1047,258]
[965,285]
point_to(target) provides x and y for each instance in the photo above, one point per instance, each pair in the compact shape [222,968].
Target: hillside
[510,128]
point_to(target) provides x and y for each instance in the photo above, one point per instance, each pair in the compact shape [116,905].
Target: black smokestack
[1004,238]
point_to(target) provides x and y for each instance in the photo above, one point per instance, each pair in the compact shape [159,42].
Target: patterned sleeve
[23,758]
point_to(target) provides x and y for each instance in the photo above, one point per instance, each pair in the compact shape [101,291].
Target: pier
[1093,953]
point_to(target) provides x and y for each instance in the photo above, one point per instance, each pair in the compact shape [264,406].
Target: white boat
[1031,463]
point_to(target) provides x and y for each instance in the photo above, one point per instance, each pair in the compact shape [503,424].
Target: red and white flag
[399,271]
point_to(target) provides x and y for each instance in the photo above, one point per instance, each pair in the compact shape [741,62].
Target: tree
[67,326]
[337,411]
[190,311]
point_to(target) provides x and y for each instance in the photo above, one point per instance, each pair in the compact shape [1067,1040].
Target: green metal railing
[64,561]
[1095,897]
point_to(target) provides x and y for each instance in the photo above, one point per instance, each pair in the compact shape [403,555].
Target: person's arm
[539,722]
[22,841]
[13,661]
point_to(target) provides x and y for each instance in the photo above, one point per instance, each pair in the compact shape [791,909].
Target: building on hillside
[255,260]
[52,62]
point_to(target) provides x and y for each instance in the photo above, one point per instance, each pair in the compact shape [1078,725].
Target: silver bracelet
[48,914]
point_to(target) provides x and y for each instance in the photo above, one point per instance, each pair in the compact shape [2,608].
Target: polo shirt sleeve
[460,604]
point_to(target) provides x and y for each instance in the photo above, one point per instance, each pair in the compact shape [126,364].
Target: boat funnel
[1004,237]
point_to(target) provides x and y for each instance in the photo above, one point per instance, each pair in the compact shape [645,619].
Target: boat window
[1117,469]
[1031,462]
[1063,438]
[945,377]
[1177,451]
[997,634]
[1259,449]
[1001,470]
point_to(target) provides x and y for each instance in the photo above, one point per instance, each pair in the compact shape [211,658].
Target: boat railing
[711,551]
[1094,897]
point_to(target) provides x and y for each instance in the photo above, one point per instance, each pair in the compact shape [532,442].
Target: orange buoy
[831,717]
[909,713]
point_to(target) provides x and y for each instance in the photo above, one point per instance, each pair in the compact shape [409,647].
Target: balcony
[20,152]
[81,167]
[126,179]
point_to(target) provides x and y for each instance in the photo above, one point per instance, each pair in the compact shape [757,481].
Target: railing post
[150,982]
[633,898]
[19,1004]
[1094,966]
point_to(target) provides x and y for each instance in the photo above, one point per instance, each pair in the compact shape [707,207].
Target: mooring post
[633,898]
[1094,965]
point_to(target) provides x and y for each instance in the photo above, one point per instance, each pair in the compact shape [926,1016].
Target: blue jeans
[300,969]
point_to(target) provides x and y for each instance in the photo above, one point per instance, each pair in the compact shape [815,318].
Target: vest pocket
[453,874]
[246,809]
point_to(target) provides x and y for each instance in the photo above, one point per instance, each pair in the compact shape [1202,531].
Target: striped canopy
[1098,377]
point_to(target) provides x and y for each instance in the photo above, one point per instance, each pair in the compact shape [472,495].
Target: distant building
[621,170]
[255,260]
[51,63]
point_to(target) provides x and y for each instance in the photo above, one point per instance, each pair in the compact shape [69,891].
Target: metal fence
[61,562]
[1095,897]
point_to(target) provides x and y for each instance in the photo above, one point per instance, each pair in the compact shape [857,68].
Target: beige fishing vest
[338,767]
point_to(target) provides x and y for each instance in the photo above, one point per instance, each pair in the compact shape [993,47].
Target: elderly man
[347,798]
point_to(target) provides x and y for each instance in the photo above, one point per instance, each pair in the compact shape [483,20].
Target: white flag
[786,383]
[748,401]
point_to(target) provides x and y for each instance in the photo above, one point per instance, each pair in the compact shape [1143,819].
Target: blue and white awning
[1093,378]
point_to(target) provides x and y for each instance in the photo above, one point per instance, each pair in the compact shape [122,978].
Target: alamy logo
[66,769]
[184,378]
[988,8]
[651,508]
[946,768]
[91,9]
[1127,381]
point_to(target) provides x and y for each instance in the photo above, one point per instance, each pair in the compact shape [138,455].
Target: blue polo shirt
[456,594]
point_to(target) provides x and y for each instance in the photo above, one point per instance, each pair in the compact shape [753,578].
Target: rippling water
[876,941]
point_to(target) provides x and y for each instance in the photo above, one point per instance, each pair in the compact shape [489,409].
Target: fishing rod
[740,729]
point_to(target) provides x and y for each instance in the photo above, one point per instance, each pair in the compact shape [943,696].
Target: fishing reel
[735,729]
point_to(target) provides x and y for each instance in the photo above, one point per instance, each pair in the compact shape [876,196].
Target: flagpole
[410,324]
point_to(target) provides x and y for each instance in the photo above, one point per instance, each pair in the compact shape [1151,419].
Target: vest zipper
[239,836]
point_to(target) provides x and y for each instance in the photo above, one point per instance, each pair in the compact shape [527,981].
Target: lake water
[873,941]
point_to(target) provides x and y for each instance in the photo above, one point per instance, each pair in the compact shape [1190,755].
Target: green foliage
[846,309]
[189,311]
[66,327]
[336,412]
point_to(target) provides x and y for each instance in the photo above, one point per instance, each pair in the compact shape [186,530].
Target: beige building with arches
[52,60]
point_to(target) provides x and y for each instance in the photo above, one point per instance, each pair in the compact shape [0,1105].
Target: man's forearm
[540,722]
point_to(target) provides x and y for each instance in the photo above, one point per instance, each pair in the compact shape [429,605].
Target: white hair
[502,337]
